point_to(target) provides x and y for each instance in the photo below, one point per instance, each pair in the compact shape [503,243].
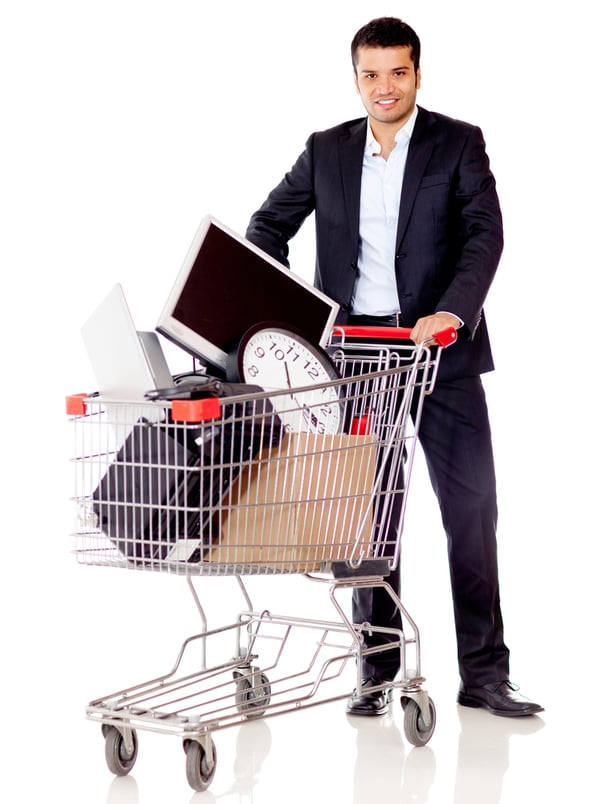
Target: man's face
[386,81]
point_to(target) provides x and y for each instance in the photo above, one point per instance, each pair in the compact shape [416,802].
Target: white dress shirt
[381,186]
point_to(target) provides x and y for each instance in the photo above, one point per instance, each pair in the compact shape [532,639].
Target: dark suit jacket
[449,238]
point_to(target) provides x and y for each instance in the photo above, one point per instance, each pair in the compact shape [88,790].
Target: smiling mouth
[387,102]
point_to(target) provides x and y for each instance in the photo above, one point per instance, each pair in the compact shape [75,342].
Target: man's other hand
[428,326]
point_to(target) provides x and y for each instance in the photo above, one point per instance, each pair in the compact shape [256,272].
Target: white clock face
[276,360]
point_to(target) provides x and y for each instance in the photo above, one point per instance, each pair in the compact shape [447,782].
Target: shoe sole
[367,713]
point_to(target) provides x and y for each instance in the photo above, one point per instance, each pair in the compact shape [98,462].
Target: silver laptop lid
[125,365]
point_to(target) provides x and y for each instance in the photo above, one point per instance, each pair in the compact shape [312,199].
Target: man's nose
[384,86]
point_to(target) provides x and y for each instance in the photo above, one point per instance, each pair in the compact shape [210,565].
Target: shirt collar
[373,147]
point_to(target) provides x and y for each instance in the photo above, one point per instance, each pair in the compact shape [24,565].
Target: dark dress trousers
[449,242]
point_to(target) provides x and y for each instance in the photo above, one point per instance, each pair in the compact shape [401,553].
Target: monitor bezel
[196,344]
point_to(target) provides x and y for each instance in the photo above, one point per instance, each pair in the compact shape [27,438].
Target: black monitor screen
[227,285]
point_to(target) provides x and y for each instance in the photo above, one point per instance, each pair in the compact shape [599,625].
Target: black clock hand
[289,381]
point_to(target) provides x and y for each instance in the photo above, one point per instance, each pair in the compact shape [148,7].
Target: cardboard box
[301,504]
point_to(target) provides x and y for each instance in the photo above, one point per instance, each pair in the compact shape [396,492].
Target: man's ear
[418,83]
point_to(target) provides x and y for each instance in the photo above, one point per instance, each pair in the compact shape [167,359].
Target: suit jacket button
[353,266]
[345,308]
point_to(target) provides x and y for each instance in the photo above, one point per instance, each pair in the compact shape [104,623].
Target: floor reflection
[252,747]
[383,770]
[388,769]
[483,751]
[122,790]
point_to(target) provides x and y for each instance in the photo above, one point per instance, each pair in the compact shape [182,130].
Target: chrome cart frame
[297,499]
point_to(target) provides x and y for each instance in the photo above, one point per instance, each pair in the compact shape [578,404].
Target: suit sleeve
[478,225]
[286,208]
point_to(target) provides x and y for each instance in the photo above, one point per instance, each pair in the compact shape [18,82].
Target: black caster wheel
[118,759]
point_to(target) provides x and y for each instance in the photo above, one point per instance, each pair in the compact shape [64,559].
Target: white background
[123,124]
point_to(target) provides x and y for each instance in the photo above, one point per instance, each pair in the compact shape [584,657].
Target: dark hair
[387,32]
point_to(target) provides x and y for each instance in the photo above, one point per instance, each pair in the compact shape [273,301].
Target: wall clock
[278,359]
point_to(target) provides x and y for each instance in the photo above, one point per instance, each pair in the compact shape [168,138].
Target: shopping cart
[302,481]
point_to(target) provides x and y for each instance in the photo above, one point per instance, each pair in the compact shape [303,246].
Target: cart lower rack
[302,480]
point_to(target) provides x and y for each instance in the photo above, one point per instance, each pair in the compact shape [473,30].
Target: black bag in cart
[168,478]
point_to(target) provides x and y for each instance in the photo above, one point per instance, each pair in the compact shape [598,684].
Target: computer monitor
[227,285]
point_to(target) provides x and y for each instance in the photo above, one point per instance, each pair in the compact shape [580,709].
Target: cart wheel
[415,729]
[253,695]
[118,760]
[198,774]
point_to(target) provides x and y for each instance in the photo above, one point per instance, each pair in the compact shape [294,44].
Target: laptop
[126,363]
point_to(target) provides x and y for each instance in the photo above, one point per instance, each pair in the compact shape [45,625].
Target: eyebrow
[392,70]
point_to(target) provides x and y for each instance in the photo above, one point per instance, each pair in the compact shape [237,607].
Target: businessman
[408,225]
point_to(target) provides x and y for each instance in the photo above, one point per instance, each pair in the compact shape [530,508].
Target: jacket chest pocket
[435,180]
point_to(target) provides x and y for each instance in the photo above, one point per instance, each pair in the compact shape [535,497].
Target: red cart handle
[444,338]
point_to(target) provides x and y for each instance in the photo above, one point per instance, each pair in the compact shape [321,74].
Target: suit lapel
[419,153]
[352,146]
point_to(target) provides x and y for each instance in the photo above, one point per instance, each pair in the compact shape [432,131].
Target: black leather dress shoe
[370,703]
[500,698]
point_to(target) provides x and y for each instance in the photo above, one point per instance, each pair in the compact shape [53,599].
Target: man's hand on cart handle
[431,329]
[430,325]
